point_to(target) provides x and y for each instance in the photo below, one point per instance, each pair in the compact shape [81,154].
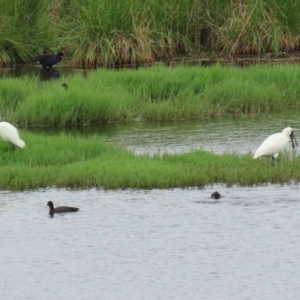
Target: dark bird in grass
[60,209]
[65,86]
[216,195]
[48,60]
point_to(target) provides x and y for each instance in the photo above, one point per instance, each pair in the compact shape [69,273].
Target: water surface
[220,135]
[35,69]
[158,244]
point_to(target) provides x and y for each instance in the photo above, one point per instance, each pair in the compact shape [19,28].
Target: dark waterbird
[48,60]
[215,195]
[60,209]
[65,86]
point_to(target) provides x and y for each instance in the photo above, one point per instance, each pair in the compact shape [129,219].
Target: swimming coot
[60,209]
[216,195]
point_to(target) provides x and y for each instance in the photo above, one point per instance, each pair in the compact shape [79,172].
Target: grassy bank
[135,31]
[157,93]
[76,162]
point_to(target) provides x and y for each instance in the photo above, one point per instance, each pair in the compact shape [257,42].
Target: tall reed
[108,33]
[24,30]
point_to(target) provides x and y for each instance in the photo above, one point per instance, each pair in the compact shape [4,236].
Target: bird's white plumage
[10,134]
[275,143]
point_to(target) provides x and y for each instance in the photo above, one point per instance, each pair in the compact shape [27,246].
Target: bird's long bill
[294,142]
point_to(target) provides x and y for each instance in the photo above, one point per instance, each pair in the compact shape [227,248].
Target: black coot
[216,195]
[48,60]
[60,209]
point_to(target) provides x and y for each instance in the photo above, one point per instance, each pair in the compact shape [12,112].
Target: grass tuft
[157,93]
[77,162]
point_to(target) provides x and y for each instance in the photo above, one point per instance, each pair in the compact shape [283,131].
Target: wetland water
[218,136]
[158,244]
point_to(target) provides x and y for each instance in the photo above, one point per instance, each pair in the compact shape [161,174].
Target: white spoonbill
[10,134]
[276,143]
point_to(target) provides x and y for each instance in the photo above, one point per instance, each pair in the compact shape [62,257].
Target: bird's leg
[12,147]
[273,159]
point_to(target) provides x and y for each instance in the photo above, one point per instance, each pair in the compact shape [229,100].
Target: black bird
[48,60]
[60,209]
[216,195]
[65,86]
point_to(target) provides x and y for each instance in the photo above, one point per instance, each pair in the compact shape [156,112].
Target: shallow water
[218,136]
[158,244]
[35,70]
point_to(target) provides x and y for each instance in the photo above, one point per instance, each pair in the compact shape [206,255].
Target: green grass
[157,93]
[24,30]
[77,162]
[108,33]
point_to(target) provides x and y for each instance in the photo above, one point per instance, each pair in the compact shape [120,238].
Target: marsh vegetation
[158,93]
[109,33]
[69,161]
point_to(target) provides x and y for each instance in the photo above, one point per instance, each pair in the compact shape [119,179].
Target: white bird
[10,134]
[276,143]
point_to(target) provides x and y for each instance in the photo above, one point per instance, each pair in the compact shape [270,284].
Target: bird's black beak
[294,142]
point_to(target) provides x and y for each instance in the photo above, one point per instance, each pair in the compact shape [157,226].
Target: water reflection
[32,71]
[168,243]
[48,74]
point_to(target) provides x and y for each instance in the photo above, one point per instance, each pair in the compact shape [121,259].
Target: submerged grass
[78,162]
[157,93]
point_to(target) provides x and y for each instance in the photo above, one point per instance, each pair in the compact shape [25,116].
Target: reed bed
[80,162]
[158,93]
[108,33]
